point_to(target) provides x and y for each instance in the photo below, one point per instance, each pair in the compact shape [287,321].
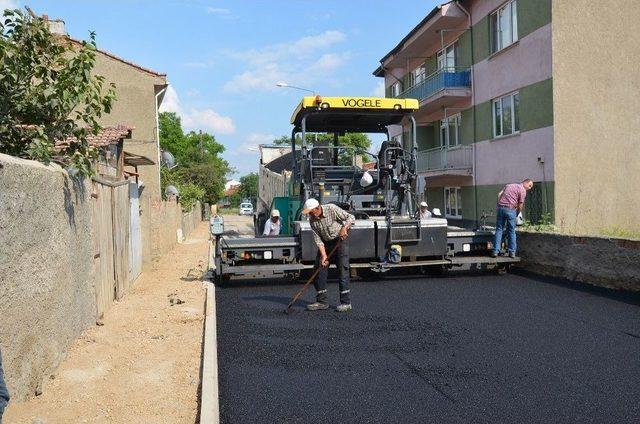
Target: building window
[450,131]
[447,58]
[417,75]
[396,89]
[453,202]
[504,26]
[506,115]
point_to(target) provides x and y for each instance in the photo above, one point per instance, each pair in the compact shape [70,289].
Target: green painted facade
[536,105]
[535,111]
[539,200]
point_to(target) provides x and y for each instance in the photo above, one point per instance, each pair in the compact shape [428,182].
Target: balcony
[446,161]
[444,88]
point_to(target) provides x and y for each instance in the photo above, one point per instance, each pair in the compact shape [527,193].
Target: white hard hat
[423,204]
[366,179]
[275,212]
[310,204]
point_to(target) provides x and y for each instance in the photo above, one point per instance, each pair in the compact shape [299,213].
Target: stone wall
[599,261]
[47,293]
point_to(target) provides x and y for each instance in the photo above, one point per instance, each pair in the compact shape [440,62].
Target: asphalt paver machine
[379,189]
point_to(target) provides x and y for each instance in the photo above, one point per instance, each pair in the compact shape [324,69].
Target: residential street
[143,364]
[470,348]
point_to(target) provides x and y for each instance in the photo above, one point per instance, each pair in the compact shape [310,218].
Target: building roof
[107,136]
[379,72]
[119,59]
[132,159]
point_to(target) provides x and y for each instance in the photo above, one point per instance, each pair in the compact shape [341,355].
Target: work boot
[512,254]
[317,306]
[343,307]
[494,254]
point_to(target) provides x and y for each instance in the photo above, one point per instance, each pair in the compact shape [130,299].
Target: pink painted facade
[515,157]
[522,64]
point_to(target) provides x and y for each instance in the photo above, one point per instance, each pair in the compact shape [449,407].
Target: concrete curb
[209,401]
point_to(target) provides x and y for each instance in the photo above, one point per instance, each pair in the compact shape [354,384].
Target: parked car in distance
[245,209]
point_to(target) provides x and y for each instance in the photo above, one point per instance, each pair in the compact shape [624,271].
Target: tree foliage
[249,187]
[359,140]
[197,156]
[356,140]
[49,93]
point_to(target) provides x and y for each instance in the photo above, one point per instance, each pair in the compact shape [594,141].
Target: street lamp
[285,85]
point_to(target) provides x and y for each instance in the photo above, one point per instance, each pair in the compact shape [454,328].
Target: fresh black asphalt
[466,348]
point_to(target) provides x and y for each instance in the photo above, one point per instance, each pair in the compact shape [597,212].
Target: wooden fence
[112,240]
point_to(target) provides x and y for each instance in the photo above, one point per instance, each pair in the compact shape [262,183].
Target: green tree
[249,187]
[197,156]
[359,140]
[49,93]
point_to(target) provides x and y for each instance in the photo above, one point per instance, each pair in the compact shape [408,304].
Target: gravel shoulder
[143,364]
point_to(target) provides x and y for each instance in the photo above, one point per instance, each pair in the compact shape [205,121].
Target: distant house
[231,184]
[139,92]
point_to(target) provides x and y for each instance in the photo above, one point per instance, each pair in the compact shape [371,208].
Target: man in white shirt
[424,213]
[272,226]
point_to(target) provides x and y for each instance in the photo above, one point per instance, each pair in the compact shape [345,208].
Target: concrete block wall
[47,267]
[599,261]
[167,219]
[47,293]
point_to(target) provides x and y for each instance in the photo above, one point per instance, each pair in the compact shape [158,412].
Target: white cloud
[378,91]
[8,4]
[208,119]
[197,119]
[304,61]
[218,11]
[170,102]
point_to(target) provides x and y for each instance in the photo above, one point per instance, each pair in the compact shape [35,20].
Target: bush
[190,194]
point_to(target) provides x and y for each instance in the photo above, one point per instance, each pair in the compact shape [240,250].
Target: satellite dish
[171,191]
[168,160]
[366,179]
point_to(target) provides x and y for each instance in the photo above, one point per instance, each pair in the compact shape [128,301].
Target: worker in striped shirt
[330,226]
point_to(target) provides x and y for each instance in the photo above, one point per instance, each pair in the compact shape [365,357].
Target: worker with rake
[330,225]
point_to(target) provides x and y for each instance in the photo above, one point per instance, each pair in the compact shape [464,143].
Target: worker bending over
[330,226]
[510,203]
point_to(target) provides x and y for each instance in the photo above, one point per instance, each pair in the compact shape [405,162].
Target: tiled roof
[232,191]
[107,136]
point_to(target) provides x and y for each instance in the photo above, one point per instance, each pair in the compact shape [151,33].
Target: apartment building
[507,91]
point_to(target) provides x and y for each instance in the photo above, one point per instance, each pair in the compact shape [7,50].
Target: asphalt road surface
[466,348]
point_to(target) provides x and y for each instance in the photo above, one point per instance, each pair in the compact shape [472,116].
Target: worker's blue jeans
[505,217]
[341,259]
[4,393]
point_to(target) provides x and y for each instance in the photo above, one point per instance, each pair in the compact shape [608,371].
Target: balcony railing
[442,159]
[439,80]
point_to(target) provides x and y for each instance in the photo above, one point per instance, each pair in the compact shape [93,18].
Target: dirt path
[143,364]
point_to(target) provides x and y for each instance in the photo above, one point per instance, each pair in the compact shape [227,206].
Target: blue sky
[223,58]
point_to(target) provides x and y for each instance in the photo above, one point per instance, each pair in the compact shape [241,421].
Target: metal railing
[439,80]
[443,158]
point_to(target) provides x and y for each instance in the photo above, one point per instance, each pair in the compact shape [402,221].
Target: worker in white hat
[424,213]
[272,226]
[330,226]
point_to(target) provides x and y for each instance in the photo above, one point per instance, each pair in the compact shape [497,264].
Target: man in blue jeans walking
[4,393]
[510,203]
